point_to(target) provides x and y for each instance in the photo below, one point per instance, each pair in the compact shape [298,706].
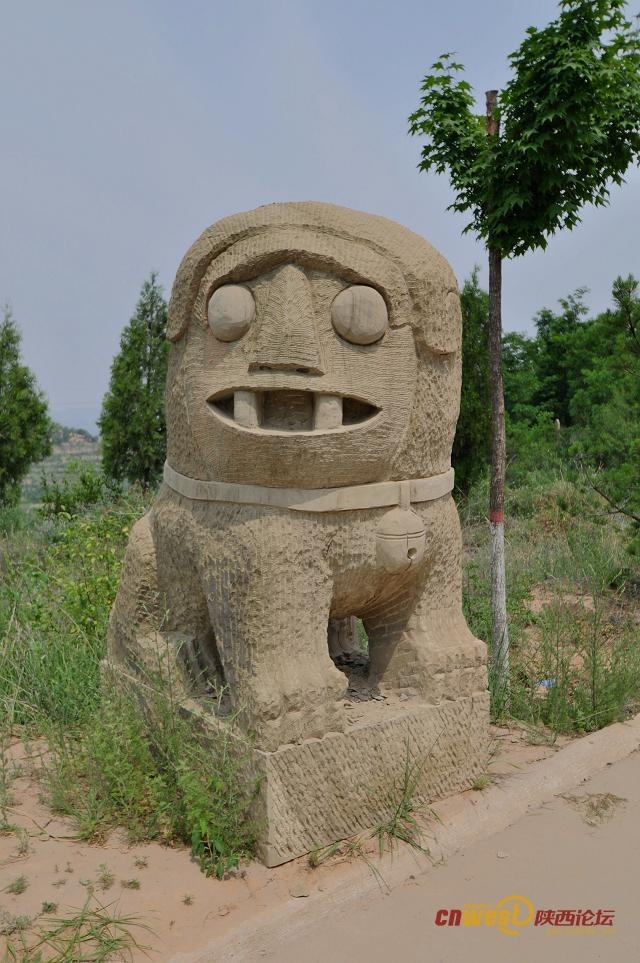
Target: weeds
[112,761]
[59,582]
[156,775]
[481,782]
[354,848]
[6,799]
[595,808]
[94,934]
[575,663]
[106,879]
[82,485]
[344,847]
[17,886]
[10,924]
[130,883]
[402,823]
[24,844]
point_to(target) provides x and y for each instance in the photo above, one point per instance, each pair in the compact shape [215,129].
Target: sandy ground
[580,851]
[162,887]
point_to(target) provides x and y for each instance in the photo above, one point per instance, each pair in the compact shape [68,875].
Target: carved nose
[286,339]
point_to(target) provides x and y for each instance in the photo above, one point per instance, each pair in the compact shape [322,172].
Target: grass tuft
[130,883]
[17,886]
[402,824]
[106,879]
[93,934]
[481,782]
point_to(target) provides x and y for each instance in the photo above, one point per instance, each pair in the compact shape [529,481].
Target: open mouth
[295,411]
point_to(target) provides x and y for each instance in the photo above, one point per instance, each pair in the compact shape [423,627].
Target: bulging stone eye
[359,314]
[231,311]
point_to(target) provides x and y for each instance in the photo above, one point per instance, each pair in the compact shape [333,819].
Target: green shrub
[12,520]
[82,486]
[59,582]
[145,766]
[113,762]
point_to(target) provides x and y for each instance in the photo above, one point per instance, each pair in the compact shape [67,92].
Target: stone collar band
[375,495]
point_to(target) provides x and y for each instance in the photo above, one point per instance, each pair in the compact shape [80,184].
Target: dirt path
[581,851]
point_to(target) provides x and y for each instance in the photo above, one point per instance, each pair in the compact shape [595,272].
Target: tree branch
[618,508]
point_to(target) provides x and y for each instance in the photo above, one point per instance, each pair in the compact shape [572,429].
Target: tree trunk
[499,627]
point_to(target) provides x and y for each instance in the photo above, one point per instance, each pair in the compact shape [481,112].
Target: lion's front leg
[140,636]
[419,641]
[271,638]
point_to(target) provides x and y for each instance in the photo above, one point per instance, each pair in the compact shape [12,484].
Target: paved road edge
[465,819]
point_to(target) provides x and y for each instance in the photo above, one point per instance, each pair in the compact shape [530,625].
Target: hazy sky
[129,127]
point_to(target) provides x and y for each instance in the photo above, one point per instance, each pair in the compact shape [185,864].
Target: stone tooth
[246,408]
[327,412]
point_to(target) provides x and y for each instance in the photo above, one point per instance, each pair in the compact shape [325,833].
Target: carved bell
[400,536]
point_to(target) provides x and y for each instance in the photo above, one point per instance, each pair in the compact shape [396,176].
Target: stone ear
[442,331]
[177,320]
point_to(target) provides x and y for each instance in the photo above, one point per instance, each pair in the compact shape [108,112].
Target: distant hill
[69,444]
[61,435]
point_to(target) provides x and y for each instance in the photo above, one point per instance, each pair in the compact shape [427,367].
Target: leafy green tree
[626,295]
[606,408]
[572,396]
[132,424]
[564,128]
[472,444]
[25,428]
[565,350]
[521,379]
[533,441]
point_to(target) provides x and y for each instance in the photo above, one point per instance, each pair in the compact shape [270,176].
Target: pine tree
[25,428]
[132,423]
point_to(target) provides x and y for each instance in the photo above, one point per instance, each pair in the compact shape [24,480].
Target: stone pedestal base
[319,791]
[323,790]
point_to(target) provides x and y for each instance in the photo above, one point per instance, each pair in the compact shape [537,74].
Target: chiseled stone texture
[327,789]
[313,347]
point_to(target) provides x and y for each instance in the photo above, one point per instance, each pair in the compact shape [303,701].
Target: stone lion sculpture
[312,398]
